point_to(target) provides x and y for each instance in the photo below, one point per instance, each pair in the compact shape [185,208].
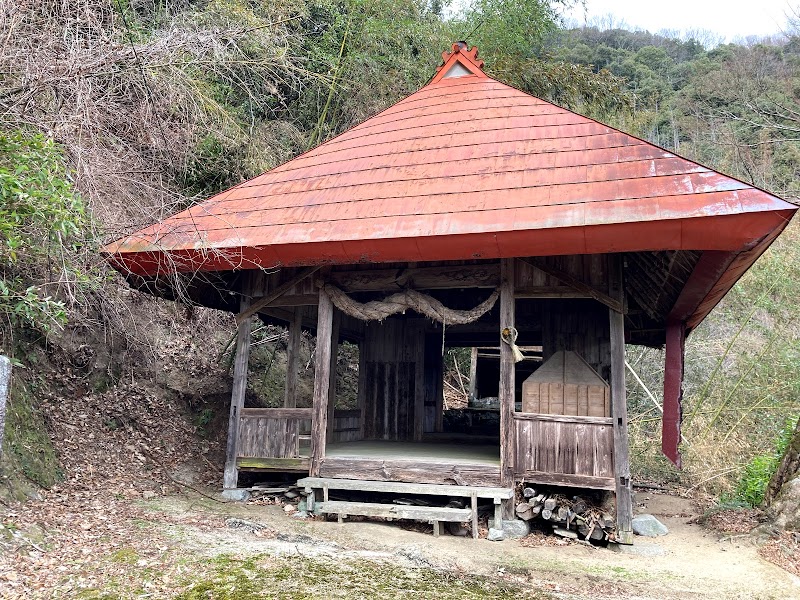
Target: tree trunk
[782,496]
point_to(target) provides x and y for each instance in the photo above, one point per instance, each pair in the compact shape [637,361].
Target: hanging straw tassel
[509,336]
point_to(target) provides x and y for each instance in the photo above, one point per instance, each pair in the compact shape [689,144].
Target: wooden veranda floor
[414,462]
[453,453]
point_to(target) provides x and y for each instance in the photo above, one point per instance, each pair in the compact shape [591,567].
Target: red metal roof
[466,167]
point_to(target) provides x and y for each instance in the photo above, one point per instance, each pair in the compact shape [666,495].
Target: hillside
[116,113]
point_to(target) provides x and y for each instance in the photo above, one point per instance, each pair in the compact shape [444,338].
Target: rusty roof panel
[465,167]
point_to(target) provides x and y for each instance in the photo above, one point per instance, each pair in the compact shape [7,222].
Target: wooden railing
[269,438]
[564,450]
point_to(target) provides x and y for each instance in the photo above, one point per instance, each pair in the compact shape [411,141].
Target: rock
[250,526]
[148,495]
[513,529]
[236,495]
[302,506]
[289,509]
[300,514]
[290,494]
[648,526]
[638,549]
[496,535]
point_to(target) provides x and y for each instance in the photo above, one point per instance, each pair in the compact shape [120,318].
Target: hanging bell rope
[377,310]
[509,336]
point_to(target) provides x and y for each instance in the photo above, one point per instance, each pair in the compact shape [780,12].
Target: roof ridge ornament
[459,61]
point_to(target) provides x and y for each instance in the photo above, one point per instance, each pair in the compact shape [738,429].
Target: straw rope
[377,310]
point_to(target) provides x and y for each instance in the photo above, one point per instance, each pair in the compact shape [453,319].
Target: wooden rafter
[576,284]
[275,294]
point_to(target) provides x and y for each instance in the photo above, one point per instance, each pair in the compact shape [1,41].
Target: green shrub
[40,216]
[755,479]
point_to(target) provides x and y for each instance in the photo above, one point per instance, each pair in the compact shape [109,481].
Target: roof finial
[461,47]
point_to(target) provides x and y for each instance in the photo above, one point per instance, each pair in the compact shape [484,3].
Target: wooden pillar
[337,319]
[473,374]
[673,391]
[292,358]
[619,408]
[322,383]
[240,362]
[506,388]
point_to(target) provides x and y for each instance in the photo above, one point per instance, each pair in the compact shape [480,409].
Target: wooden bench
[432,514]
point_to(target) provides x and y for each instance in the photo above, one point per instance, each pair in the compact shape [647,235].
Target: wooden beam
[240,362]
[575,283]
[273,464]
[293,359]
[393,487]
[337,318]
[473,373]
[277,413]
[569,480]
[431,278]
[276,293]
[521,416]
[619,408]
[322,382]
[545,292]
[507,384]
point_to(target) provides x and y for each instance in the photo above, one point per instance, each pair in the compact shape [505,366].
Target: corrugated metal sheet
[466,167]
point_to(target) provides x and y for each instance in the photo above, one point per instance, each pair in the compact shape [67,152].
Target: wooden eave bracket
[577,284]
[275,294]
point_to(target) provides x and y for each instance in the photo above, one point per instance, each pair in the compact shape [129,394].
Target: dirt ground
[187,546]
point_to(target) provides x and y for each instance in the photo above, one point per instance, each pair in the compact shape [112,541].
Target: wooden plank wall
[582,328]
[346,426]
[270,432]
[577,449]
[392,356]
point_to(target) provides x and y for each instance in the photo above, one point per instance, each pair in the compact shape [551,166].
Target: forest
[114,113]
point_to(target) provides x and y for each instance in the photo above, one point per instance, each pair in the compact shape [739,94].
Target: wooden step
[397,511]
[431,489]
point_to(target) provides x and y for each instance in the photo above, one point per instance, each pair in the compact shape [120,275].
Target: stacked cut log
[576,517]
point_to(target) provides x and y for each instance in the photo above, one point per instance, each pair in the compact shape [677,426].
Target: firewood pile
[576,517]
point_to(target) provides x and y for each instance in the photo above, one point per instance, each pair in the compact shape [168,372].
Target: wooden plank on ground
[397,511]
[405,488]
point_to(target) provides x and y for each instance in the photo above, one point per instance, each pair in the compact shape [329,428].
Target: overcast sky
[729,19]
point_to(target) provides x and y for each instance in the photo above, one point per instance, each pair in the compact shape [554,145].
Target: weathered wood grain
[276,293]
[322,367]
[507,370]
[240,362]
[393,487]
[619,408]
[292,359]
[410,471]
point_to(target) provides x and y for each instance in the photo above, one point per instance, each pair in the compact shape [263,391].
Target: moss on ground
[244,579]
